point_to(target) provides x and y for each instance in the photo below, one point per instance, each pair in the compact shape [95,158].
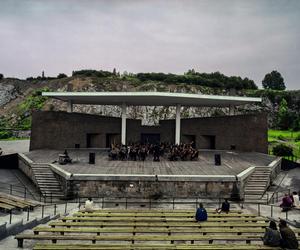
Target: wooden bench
[169,239]
[152,246]
[174,219]
[134,231]
[106,210]
[13,203]
[183,215]
[158,224]
[6,206]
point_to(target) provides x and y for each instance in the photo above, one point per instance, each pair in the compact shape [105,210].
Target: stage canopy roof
[151,99]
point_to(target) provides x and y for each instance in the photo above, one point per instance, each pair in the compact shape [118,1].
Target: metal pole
[43,211]
[10,189]
[271,210]
[286,214]
[150,203]
[55,209]
[10,216]
[126,202]
[24,193]
[102,202]
[28,214]
[173,203]
[66,205]
[258,209]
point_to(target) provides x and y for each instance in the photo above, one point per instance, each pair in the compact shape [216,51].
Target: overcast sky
[246,38]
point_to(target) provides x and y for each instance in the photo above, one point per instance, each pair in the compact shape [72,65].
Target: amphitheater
[142,204]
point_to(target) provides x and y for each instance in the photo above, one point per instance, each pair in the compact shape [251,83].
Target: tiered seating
[150,229]
[9,202]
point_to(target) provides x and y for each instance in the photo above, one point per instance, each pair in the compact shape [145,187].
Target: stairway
[46,181]
[257,185]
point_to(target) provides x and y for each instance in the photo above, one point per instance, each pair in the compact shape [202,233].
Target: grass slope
[290,138]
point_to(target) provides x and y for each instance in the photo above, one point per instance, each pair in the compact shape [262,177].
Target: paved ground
[232,163]
[16,146]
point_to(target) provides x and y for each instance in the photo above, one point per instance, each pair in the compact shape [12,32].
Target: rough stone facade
[146,189]
[59,130]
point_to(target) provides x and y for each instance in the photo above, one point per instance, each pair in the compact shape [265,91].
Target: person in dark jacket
[201,214]
[272,236]
[225,207]
[288,237]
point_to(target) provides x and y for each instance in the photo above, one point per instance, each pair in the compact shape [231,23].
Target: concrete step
[254,192]
[252,197]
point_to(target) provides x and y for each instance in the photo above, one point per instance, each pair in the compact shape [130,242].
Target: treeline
[213,80]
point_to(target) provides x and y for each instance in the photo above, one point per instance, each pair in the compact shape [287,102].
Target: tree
[273,80]
[1,76]
[61,75]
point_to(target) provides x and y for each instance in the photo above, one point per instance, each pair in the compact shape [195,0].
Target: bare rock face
[7,93]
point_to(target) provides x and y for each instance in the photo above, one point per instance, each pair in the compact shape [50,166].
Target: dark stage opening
[112,139]
[93,141]
[187,139]
[208,142]
[150,138]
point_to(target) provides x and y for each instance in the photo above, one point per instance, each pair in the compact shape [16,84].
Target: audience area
[150,229]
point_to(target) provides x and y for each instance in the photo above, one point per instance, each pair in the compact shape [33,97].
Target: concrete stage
[107,178]
[232,163]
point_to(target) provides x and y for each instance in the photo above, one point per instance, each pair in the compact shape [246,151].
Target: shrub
[5,134]
[281,137]
[282,150]
[297,138]
[61,75]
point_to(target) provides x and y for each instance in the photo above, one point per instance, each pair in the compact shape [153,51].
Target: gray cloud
[247,38]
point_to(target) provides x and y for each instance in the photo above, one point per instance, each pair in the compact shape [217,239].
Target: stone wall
[149,189]
[59,130]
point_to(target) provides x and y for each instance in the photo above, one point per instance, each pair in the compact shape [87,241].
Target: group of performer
[138,151]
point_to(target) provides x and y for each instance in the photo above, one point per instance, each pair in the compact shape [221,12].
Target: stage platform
[232,163]
[108,178]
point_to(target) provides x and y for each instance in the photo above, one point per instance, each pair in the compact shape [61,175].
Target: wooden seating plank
[152,246]
[157,224]
[80,214]
[170,231]
[175,219]
[133,238]
[238,211]
[12,203]
[6,206]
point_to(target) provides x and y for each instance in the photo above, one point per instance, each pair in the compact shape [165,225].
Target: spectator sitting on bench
[296,202]
[201,214]
[88,206]
[286,203]
[288,237]
[225,207]
[272,236]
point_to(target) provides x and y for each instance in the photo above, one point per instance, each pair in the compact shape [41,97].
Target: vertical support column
[177,125]
[231,110]
[70,106]
[123,128]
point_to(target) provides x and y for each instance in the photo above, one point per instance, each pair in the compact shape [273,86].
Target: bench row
[152,246]
[170,239]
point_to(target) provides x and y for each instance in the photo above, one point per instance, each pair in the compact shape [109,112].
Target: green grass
[286,137]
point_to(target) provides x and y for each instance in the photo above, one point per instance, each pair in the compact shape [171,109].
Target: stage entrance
[208,142]
[112,139]
[93,141]
[150,138]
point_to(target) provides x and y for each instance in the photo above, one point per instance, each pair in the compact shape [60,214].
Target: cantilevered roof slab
[151,99]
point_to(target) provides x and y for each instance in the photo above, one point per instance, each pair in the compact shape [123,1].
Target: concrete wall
[59,130]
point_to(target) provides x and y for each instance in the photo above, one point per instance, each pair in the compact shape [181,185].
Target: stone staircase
[257,185]
[46,181]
